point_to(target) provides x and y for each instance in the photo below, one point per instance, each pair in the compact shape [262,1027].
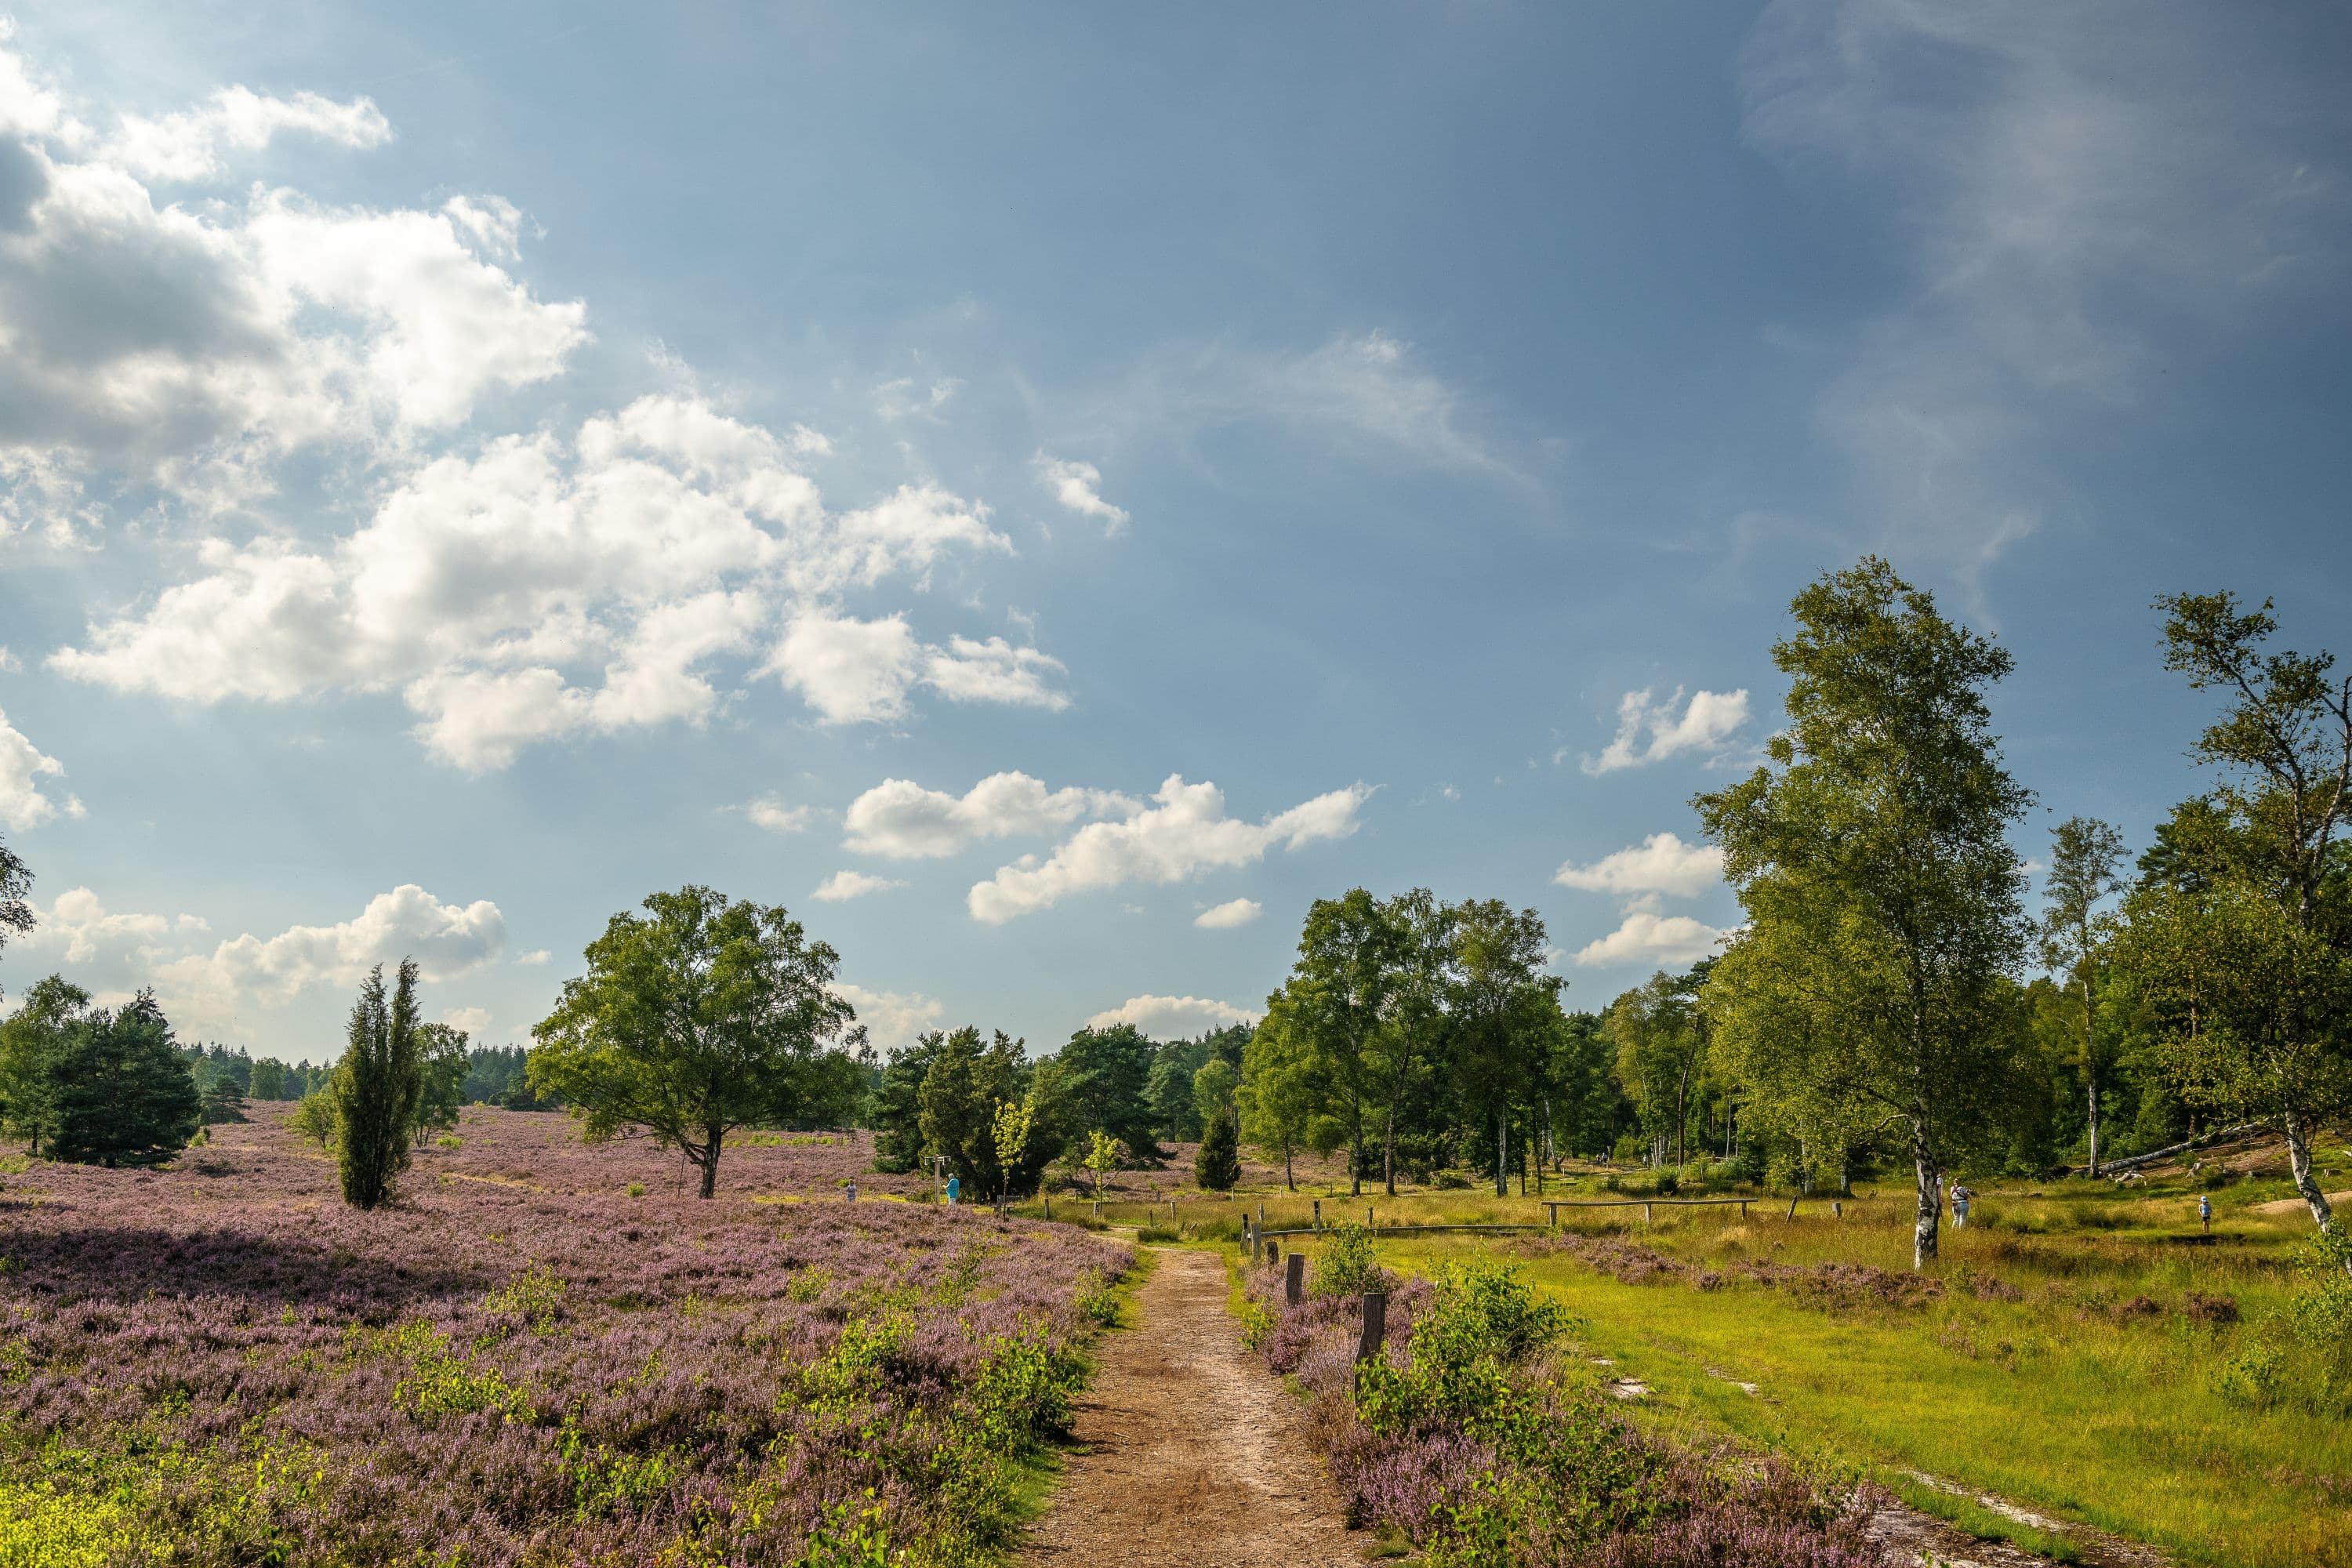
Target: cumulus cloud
[773,815]
[1229,915]
[1079,487]
[902,820]
[541,587]
[1185,834]
[203,989]
[892,1019]
[2063,179]
[843,886]
[193,345]
[1645,937]
[187,144]
[1651,732]
[474,1021]
[24,802]
[1173,1017]
[1661,863]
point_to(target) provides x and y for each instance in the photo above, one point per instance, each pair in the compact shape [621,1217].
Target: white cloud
[1645,937]
[2063,178]
[1650,731]
[846,885]
[194,344]
[904,399]
[901,820]
[891,1018]
[186,145]
[1185,834]
[23,766]
[474,1021]
[542,588]
[535,957]
[773,815]
[1229,915]
[1661,863]
[1079,487]
[1173,1017]
[853,671]
[203,991]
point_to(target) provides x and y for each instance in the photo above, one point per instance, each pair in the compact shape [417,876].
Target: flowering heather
[1482,1449]
[519,1363]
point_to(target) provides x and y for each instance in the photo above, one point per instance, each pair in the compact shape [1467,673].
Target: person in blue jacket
[955,1187]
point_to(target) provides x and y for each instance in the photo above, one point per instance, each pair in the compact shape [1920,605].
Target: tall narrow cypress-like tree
[375,1087]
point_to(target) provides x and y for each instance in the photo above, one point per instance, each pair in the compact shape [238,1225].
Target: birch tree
[1870,852]
[2084,855]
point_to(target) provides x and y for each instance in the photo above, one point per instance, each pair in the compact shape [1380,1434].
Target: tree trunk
[2091,1061]
[1681,1114]
[2298,1156]
[1502,1144]
[1931,1196]
[710,1163]
[1387,1147]
[1289,1181]
[1356,1148]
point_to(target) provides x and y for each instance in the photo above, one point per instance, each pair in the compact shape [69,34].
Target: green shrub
[636,1189]
[313,1117]
[1096,1298]
[1344,1264]
[449,1141]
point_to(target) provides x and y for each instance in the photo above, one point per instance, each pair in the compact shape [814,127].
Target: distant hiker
[2205,1212]
[1960,1206]
[955,1189]
[849,1191]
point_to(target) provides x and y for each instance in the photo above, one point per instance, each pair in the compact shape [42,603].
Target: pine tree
[223,1102]
[375,1087]
[1218,1166]
[125,1096]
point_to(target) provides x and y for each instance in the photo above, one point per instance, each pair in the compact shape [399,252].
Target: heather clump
[216,1370]
[1477,1437]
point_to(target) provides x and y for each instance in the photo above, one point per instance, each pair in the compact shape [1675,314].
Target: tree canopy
[699,1017]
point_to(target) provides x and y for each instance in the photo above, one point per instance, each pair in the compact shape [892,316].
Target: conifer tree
[375,1087]
[1218,1166]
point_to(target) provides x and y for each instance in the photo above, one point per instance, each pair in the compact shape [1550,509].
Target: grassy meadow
[2079,1353]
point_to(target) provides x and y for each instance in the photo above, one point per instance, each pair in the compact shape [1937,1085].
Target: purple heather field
[520,1363]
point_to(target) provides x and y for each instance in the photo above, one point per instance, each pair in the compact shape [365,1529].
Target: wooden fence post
[1318,1216]
[1273,1252]
[1647,1217]
[1368,1218]
[1294,1280]
[1838,1209]
[1376,1321]
[1743,1211]
[1793,1208]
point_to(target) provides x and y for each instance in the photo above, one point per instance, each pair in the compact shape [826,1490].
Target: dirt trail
[1190,1457]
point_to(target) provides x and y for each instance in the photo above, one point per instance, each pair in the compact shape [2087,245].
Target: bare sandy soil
[1190,1457]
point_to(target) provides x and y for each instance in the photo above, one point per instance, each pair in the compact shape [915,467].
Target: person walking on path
[1960,1206]
[2205,1211]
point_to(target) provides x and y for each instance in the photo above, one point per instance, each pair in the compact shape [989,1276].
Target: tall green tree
[1659,1034]
[33,1042]
[125,1096]
[1347,960]
[1412,1042]
[269,1079]
[2249,935]
[2086,854]
[1106,1072]
[1503,1011]
[702,1015]
[1883,900]
[970,1079]
[1214,1089]
[895,1112]
[375,1087]
[443,1063]
[1280,1094]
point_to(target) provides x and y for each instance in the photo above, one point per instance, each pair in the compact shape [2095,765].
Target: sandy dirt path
[1190,1455]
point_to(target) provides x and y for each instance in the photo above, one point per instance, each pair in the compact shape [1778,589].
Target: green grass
[2066,1400]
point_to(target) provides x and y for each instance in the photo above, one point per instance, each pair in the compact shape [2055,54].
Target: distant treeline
[494,1075]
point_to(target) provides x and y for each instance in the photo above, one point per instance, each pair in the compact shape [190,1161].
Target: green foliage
[223,1102]
[1344,1264]
[1883,896]
[442,1066]
[701,1016]
[1107,1070]
[1217,1166]
[1095,1298]
[124,1095]
[959,1099]
[895,1112]
[375,1087]
[533,1298]
[313,1118]
[15,881]
[33,1042]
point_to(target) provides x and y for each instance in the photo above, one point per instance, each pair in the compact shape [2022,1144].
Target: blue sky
[1046,492]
